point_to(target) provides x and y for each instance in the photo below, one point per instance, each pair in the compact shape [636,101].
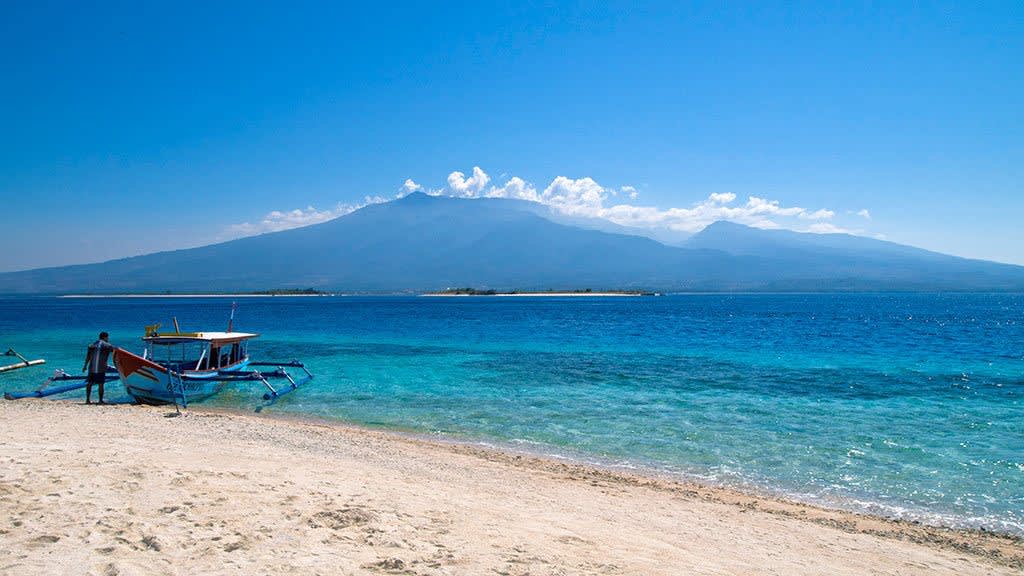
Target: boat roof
[214,337]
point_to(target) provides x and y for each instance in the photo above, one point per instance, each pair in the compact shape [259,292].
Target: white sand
[129,490]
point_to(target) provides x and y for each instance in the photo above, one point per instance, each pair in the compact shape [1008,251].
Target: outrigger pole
[281,373]
[25,362]
[272,394]
[77,382]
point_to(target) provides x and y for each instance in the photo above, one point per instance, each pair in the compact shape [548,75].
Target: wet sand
[136,490]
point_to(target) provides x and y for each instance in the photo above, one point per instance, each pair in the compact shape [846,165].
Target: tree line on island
[468,291]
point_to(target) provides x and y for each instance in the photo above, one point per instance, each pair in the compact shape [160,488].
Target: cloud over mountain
[585,197]
[581,198]
[278,220]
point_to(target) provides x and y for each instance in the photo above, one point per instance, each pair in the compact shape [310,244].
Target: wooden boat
[185,367]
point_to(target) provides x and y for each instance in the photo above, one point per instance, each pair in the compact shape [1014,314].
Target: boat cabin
[197,351]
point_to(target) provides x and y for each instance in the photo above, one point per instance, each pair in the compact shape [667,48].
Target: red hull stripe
[128,364]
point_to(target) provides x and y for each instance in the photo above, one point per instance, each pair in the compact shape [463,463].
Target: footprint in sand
[232,546]
[150,543]
[340,519]
[44,540]
[573,540]
[393,565]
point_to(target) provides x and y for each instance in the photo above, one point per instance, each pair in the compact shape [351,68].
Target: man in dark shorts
[96,364]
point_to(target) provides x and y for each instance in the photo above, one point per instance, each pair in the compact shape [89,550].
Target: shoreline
[325,452]
[636,471]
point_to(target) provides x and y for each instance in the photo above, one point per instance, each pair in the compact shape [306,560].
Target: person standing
[96,364]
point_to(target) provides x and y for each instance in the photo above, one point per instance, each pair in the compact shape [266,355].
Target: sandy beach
[134,490]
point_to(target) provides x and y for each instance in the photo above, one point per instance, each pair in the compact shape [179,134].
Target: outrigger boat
[184,367]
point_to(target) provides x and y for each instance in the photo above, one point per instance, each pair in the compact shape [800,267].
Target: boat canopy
[212,337]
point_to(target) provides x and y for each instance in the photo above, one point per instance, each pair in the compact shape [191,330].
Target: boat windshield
[180,355]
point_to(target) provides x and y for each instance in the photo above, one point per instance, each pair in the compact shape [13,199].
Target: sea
[902,405]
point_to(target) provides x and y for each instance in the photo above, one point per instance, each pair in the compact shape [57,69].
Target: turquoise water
[907,405]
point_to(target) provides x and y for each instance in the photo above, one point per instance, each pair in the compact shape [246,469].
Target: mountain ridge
[423,243]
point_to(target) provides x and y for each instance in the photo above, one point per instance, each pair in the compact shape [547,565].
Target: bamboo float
[48,389]
[25,362]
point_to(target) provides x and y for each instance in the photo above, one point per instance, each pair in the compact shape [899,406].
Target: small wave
[832,496]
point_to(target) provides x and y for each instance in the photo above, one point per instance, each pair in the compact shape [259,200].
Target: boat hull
[150,383]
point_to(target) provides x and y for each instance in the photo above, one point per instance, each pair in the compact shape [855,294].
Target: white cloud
[817,215]
[278,220]
[283,220]
[582,197]
[828,228]
[762,206]
[585,197]
[409,187]
[470,187]
[515,188]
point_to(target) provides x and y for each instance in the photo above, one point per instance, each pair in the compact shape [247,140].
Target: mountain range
[423,242]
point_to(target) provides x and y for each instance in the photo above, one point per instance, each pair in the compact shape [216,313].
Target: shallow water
[907,405]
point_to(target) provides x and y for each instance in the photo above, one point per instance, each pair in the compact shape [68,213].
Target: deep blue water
[907,405]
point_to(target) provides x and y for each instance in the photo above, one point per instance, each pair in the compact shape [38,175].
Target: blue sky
[129,129]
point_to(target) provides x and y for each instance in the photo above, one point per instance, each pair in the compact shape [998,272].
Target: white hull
[151,383]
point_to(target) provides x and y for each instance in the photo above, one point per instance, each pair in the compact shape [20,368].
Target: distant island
[548,292]
[169,294]
[292,292]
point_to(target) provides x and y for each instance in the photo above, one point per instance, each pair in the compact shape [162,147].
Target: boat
[181,368]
